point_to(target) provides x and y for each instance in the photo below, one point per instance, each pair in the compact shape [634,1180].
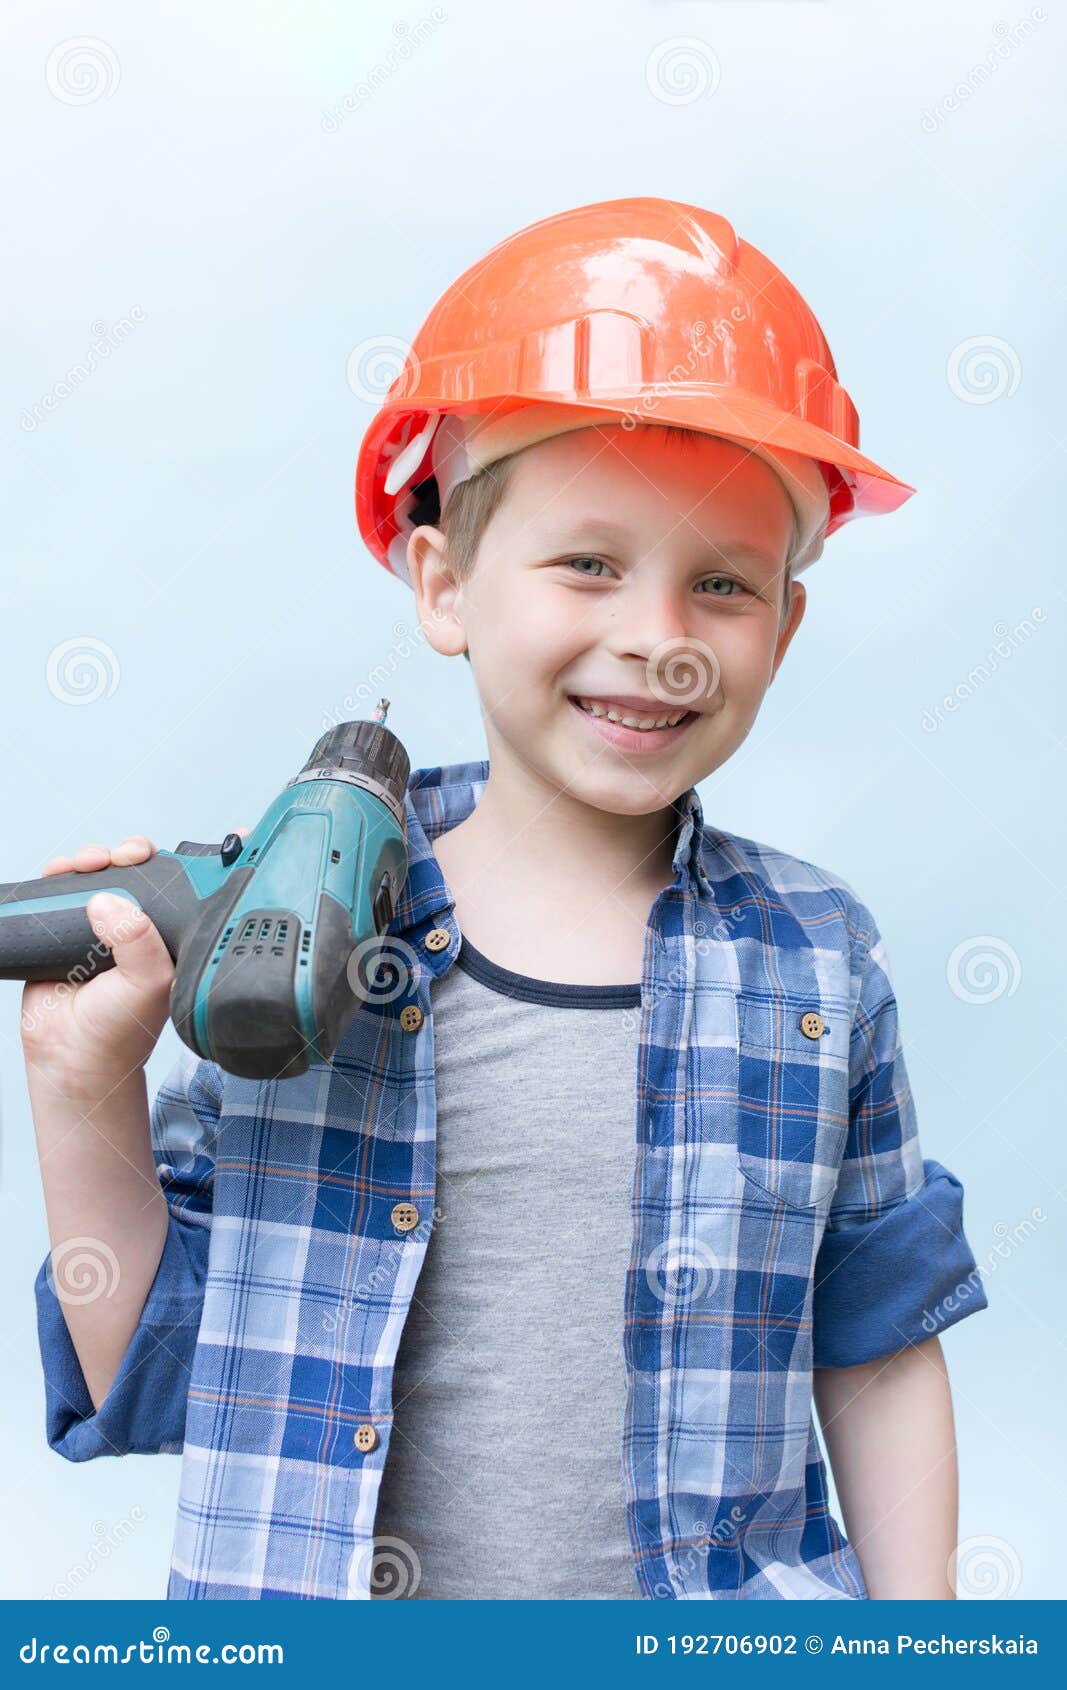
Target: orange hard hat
[645,307]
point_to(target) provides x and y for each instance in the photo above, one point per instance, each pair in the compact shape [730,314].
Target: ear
[436,593]
[790,626]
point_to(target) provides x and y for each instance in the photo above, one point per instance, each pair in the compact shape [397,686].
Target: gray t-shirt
[504,1474]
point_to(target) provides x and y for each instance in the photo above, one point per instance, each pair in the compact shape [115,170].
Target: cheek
[534,636]
[745,649]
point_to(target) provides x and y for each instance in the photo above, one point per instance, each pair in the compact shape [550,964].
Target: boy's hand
[94,1031]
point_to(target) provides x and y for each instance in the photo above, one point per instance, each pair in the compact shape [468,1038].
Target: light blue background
[188,507]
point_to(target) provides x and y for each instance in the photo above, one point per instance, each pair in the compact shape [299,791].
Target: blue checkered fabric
[784,1219]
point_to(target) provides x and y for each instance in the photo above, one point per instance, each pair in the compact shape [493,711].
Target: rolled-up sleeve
[894,1267]
[144,1410]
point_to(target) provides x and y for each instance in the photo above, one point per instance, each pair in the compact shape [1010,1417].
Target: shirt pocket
[792,1095]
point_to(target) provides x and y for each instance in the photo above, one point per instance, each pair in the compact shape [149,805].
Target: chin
[626,791]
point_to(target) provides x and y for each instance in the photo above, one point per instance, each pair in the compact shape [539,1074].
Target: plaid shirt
[783,1219]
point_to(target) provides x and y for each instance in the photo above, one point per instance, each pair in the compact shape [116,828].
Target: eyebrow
[613,533]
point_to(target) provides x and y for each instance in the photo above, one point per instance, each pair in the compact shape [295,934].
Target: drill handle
[45,932]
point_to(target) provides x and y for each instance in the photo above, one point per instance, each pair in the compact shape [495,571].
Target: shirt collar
[439,797]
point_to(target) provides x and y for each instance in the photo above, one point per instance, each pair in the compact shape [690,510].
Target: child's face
[613,567]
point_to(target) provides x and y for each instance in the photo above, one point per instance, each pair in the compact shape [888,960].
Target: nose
[650,613]
[651,622]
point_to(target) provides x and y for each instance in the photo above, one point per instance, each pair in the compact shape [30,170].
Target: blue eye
[598,560]
[729,582]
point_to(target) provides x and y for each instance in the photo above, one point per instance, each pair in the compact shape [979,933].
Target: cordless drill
[273,936]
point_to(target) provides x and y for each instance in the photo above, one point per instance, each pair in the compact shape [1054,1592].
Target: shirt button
[404,1216]
[366,1437]
[411,1017]
[812,1026]
[436,939]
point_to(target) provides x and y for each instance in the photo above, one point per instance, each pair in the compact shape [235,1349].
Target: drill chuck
[366,753]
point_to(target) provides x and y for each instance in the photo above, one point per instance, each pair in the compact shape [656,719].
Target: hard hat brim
[866,488]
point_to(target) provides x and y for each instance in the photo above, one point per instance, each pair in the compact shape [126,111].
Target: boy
[530,1290]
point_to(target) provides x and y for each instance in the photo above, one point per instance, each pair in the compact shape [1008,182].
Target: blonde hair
[472,504]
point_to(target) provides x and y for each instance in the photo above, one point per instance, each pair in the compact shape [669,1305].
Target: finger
[133,849]
[90,857]
[58,865]
[133,940]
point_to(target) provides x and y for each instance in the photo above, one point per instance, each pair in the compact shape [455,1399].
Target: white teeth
[644,723]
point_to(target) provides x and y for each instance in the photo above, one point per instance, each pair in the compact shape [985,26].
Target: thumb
[133,940]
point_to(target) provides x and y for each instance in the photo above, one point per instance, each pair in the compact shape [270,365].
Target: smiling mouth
[629,726]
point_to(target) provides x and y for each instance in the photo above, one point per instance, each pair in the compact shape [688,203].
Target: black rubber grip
[52,944]
[252,1021]
[364,748]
